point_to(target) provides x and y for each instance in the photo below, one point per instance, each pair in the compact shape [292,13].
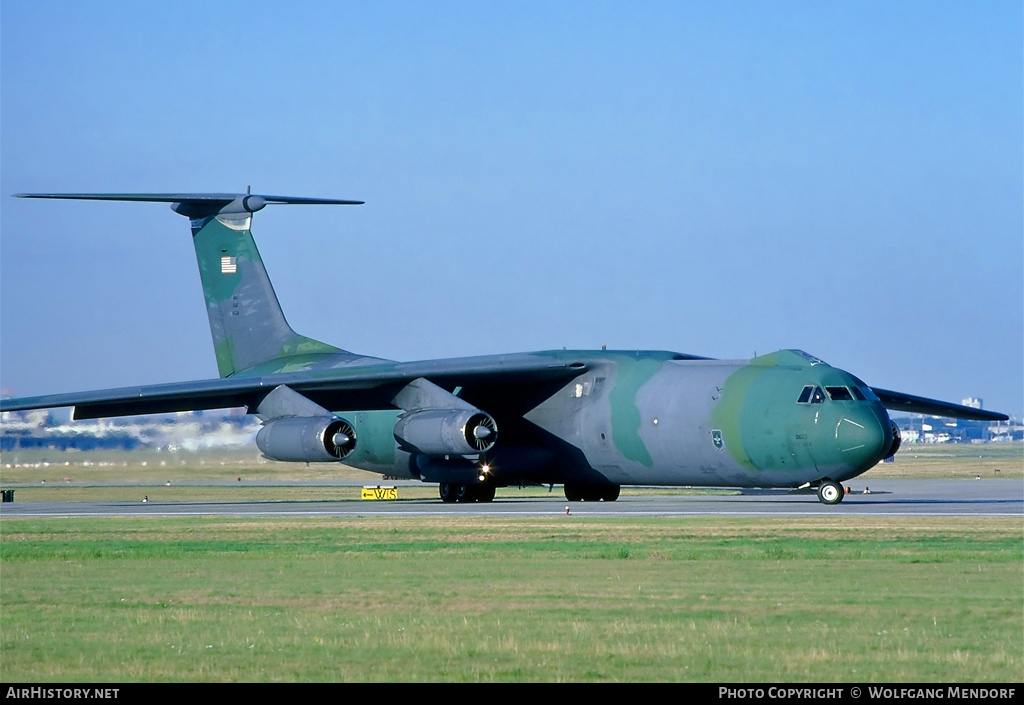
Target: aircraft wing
[898,401]
[370,386]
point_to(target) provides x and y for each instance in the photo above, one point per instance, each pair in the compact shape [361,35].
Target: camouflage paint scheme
[590,420]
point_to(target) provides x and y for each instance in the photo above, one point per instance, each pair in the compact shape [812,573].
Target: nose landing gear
[830,492]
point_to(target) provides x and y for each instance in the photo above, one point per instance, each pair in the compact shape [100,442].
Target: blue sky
[716,178]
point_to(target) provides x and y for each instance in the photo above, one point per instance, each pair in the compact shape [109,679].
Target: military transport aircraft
[590,421]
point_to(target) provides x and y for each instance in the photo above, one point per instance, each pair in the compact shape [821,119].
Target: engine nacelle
[307,439]
[897,439]
[447,431]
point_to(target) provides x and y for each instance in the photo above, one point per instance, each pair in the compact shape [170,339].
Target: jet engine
[440,432]
[310,439]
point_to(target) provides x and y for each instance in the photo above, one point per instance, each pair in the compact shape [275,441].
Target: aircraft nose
[862,438]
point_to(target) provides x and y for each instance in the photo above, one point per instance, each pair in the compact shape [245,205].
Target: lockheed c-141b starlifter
[590,421]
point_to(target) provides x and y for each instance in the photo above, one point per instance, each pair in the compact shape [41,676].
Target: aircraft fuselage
[646,418]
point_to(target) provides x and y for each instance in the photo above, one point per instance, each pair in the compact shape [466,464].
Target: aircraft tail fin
[248,326]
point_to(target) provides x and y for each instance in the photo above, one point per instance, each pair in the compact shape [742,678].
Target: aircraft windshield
[811,395]
[839,394]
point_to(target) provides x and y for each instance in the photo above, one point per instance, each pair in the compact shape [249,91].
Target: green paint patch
[224,350]
[376,437]
[212,243]
[727,415]
[630,375]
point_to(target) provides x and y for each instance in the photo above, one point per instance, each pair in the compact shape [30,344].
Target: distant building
[188,431]
[937,429]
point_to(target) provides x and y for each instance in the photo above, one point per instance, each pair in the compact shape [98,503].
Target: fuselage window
[839,394]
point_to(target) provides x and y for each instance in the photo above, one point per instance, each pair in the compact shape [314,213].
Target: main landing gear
[451,492]
[580,492]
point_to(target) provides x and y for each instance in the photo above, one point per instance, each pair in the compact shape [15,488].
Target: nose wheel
[830,492]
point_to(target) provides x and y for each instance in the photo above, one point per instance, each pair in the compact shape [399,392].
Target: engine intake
[307,439]
[439,432]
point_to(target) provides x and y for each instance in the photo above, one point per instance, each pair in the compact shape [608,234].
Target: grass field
[473,599]
[826,599]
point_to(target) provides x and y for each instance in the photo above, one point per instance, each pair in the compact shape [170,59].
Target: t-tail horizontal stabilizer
[199,205]
[250,333]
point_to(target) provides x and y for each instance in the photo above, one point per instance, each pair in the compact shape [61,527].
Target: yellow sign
[380,493]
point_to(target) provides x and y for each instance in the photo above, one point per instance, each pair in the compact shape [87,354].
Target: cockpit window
[857,394]
[839,394]
[811,395]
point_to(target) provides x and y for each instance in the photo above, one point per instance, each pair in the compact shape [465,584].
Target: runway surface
[987,497]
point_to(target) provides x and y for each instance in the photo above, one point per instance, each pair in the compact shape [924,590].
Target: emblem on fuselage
[716,438]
